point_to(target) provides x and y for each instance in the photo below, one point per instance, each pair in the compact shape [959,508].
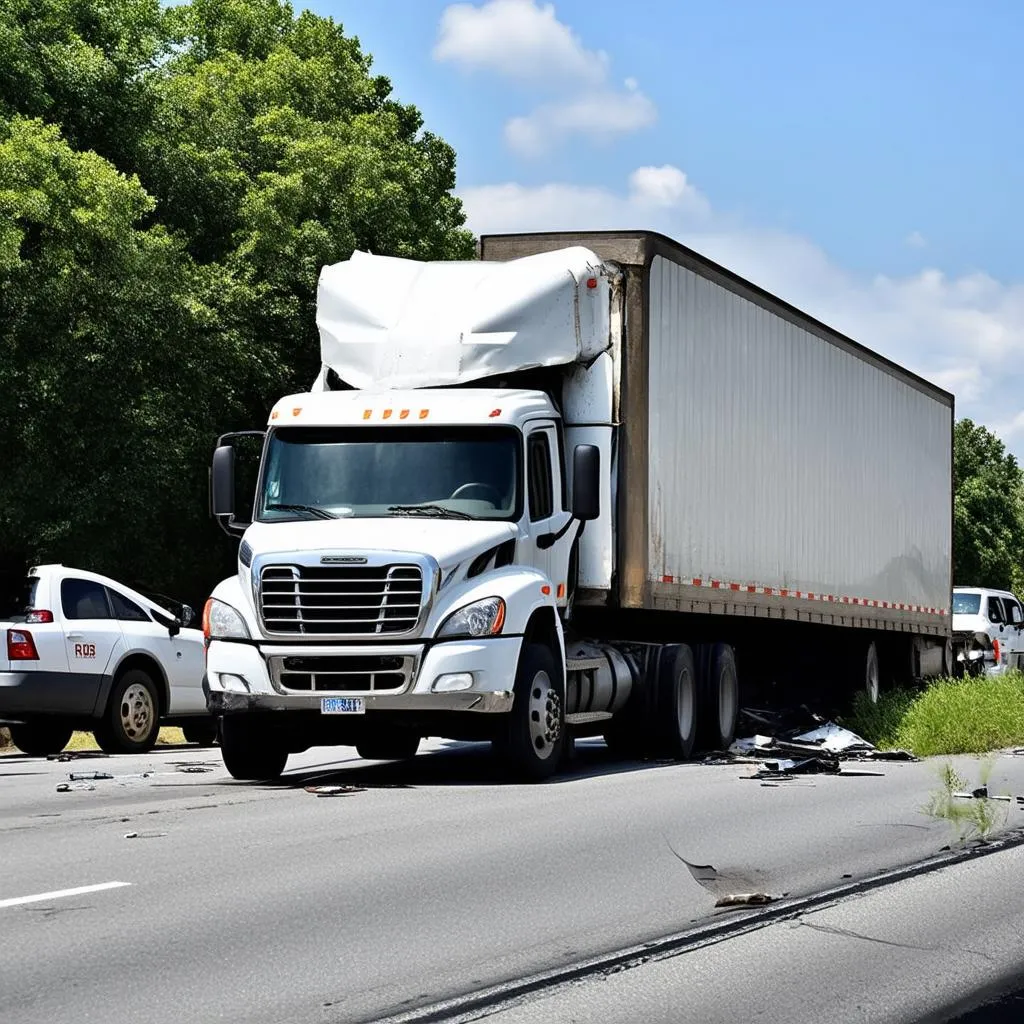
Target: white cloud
[601,116]
[964,333]
[915,240]
[524,41]
[518,39]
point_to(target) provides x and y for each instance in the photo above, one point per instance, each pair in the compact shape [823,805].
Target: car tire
[131,721]
[38,739]
[533,739]
[250,753]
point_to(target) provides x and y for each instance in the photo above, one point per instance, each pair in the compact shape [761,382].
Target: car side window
[125,610]
[83,599]
[538,458]
[995,611]
[1016,614]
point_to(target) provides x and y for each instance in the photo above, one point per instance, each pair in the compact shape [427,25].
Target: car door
[180,656]
[1015,631]
[92,636]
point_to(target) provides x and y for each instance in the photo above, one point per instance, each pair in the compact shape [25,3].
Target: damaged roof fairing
[389,323]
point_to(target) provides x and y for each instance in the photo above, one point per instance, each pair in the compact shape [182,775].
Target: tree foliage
[171,182]
[988,510]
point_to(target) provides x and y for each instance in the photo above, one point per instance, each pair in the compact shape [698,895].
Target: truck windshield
[457,472]
[966,604]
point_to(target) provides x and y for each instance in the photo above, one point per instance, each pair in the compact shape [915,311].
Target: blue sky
[863,162]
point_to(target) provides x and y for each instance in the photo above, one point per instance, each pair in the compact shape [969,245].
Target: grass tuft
[952,716]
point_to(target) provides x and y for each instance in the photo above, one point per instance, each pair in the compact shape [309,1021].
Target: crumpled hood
[449,541]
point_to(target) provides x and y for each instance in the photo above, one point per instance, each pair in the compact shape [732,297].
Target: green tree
[988,510]
[172,180]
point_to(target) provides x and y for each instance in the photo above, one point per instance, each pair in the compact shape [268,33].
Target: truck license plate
[342,706]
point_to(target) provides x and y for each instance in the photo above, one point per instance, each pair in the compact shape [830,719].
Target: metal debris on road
[749,899]
[982,793]
[75,755]
[144,835]
[87,776]
[68,787]
[194,769]
[334,790]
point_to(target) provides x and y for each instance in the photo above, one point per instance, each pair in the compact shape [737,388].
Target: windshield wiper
[434,511]
[313,510]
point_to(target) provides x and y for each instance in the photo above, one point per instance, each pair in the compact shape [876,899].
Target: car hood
[971,624]
[449,541]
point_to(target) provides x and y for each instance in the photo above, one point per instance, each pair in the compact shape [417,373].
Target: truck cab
[404,548]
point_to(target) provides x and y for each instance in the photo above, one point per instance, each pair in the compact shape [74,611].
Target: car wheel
[37,739]
[131,722]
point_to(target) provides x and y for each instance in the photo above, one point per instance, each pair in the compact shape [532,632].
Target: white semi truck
[589,484]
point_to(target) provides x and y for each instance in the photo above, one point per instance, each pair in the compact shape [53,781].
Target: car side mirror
[188,616]
[222,482]
[586,482]
[173,626]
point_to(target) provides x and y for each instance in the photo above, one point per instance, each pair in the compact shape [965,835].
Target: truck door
[92,635]
[546,500]
[1015,632]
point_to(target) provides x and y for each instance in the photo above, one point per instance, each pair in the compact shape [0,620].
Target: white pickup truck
[81,651]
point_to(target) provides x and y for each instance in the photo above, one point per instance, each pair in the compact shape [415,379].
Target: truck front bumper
[246,676]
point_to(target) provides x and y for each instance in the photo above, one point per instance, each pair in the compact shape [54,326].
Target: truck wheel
[38,739]
[131,722]
[396,746]
[250,753]
[534,735]
[866,677]
[675,721]
[721,698]
[203,733]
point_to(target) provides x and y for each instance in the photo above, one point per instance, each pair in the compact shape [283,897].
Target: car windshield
[966,604]
[442,472]
[17,600]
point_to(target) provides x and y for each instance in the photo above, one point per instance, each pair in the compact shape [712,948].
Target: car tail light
[39,616]
[995,648]
[21,646]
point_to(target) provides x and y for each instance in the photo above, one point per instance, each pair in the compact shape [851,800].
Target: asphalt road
[263,903]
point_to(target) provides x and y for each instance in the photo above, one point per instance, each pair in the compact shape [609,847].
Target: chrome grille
[358,673]
[349,600]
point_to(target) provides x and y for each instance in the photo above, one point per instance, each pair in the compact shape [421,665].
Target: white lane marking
[57,894]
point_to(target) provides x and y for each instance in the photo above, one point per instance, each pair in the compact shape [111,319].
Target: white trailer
[584,485]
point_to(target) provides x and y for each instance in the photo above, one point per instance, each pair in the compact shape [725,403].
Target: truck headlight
[481,618]
[222,622]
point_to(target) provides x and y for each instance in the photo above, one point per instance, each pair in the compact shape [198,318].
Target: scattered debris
[75,755]
[334,790]
[982,793]
[144,835]
[749,899]
[131,835]
[194,769]
[834,738]
[84,776]
[847,876]
[67,787]
[750,744]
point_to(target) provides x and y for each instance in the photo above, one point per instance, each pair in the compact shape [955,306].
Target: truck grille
[374,673]
[351,600]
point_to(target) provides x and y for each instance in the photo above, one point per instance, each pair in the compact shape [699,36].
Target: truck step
[587,717]
[584,664]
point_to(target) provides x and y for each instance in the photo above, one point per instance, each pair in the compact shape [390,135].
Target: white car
[82,651]
[988,631]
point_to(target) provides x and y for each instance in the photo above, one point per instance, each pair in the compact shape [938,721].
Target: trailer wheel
[870,679]
[395,746]
[250,753]
[534,735]
[677,703]
[721,698]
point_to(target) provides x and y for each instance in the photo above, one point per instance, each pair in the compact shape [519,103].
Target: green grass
[85,740]
[951,716]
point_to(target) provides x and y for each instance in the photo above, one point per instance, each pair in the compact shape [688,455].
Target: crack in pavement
[848,933]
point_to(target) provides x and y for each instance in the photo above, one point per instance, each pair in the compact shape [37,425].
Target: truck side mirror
[222,482]
[586,482]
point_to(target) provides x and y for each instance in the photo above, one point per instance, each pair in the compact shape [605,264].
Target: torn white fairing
[389,323]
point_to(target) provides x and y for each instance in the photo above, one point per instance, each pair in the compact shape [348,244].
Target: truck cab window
[995,610]
[1016,615]
[538,457]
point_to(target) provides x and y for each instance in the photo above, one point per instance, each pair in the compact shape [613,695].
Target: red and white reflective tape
[802,595]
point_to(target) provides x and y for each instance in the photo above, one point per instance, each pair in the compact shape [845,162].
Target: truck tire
[720,698]
[250,753]
[204,733]
[37,739]
[131,721]
[674,726]
[534,734]
[865,676]
[395,746]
